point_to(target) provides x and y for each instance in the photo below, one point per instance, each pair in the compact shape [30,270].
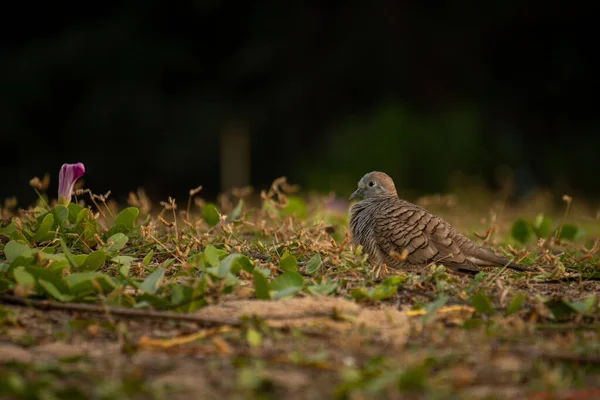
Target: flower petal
[69,173]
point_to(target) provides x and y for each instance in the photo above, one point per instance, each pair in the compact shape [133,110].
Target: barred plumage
[384,224]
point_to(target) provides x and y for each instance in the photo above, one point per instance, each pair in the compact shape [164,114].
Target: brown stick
[556,356]
[136,313]
[118,311]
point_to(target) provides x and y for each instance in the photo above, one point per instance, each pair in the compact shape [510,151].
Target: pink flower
[69,173]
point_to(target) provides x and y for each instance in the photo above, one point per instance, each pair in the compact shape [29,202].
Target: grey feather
[385,224]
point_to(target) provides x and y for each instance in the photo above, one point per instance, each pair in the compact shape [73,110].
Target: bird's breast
[361,222]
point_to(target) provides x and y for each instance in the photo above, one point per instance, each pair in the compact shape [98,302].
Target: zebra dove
[392,230]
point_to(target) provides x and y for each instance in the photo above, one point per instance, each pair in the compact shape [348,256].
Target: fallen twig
[567,327]
[136,313]
[556,356]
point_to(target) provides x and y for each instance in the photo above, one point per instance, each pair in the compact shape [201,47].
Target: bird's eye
[371,183]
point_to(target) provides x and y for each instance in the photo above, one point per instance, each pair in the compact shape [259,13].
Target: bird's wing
[424,236]
[428,238]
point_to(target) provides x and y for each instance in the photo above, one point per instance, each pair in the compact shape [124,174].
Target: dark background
[141,92]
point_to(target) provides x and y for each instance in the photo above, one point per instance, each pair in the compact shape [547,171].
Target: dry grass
[378,333]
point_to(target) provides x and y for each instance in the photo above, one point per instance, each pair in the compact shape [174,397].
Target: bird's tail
[519,267]
[485,258]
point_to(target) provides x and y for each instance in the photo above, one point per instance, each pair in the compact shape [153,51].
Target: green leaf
[384,290]
[115,243]
[473,323]
[74,211]
[212,255]
[43,274]
[542,226]
[148,258]
[188,297]
[43,233]
[585,306]
[46,255]
[375,293]
[61,213]
[237,211]
[84,212]
[124,273]
[94,261]
[253,338]
[322,288]
[589,303]
[59,268]
[9,229]
[288,263]
[229,282]
[233,263]
[435,305]
[295,206]
[85,283]
[381,292]
[266,272]
[588,277]
[152,282]
[123,260]
[198,260]
[413,378]
[5,286]
[520,230]
[79,259]
[79,277]
[53,291]
[286,284]
[314,264]
[261,285]
[247,264]
[515,304]
[14,249]
[222,253]
[180,294]
[482,303]
[146,299]
[560,308]
[87,227]
[210,214]
[395,280]
[124,222]
[68,254]
[23,277]
[568,232]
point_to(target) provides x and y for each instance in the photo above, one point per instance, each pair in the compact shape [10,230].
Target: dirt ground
[302,348]
[430,334]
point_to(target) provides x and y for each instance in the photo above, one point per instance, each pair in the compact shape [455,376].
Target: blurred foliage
[405,144]
[540,228]
[157,84]
[412,327]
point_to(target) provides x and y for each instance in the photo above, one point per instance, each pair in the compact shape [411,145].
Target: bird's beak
[357,193]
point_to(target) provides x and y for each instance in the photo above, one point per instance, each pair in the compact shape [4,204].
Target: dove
[392,231]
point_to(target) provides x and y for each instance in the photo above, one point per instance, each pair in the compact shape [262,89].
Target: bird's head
[375,184]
